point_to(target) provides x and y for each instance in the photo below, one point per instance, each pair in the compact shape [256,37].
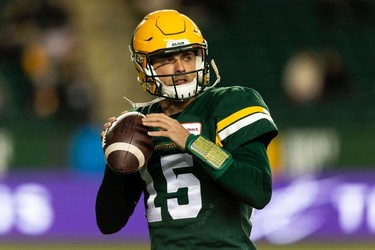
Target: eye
[168,60]
[162,61]
[189,56]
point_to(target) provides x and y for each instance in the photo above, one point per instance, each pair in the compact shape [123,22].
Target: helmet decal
[177,43]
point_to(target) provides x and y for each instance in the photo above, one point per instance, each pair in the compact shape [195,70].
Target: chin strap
[216,70]
[158,99]
[136,105]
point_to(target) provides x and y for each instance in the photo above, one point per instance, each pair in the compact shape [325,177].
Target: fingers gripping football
[106,126]
[167,127]
[126,144]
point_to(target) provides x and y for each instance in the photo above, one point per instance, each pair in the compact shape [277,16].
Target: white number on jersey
[174,182]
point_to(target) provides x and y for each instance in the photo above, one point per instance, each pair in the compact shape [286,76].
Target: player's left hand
[167,127]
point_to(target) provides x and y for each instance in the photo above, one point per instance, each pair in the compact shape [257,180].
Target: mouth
[180,81]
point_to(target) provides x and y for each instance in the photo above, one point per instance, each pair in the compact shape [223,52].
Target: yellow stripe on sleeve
[235,117]
[239,115]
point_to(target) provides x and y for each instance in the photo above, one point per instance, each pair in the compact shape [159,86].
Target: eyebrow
[166,56]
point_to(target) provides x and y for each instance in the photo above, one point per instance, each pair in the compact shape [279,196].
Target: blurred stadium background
[64,69]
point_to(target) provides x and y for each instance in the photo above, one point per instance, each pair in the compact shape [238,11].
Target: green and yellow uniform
[201,198]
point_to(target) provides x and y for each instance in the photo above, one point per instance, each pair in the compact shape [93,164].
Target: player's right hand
[106,126]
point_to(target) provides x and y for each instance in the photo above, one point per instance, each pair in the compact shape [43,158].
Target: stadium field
[92,246]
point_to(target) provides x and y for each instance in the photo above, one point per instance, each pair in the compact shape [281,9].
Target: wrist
[207,151]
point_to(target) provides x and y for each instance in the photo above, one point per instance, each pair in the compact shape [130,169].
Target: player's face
[176,64]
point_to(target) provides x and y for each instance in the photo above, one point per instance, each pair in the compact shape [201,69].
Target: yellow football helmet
[168,31]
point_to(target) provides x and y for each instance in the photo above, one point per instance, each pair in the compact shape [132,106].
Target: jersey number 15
[174,182]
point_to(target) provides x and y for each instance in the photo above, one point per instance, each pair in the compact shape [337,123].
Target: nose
[179,66]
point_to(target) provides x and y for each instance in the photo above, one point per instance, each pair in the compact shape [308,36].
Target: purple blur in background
[61,206]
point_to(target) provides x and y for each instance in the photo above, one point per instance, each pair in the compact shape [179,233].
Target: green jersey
[191,205]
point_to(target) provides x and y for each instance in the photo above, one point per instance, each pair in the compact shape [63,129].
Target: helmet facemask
[152,82]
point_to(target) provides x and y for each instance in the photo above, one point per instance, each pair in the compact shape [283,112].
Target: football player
[209,168]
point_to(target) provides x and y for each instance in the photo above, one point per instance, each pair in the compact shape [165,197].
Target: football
[126,144]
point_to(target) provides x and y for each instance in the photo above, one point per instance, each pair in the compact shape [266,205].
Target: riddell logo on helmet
[177,43]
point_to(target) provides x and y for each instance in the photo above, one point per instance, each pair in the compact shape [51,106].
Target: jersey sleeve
[249,176]
[116,200]
[241,115]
